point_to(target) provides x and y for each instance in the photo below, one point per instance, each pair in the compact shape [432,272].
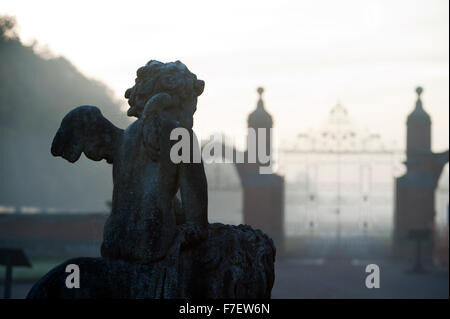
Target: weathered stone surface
[157,244]
[143,219]
[234,262]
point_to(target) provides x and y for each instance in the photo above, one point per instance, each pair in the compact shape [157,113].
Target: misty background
[369,55]
[360,60]
[308,56]
[35,94]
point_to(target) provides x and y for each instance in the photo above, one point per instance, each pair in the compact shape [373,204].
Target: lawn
[40,266]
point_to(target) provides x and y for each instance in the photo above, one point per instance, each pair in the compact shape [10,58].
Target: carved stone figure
[156,244]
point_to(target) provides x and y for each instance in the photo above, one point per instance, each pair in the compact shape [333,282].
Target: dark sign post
[11,258]
[419,235]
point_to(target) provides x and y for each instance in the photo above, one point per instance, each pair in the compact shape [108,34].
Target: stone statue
[157,241]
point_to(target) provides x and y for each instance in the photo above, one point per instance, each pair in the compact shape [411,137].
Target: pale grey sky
[369,55]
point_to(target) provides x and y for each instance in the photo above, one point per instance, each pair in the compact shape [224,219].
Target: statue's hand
[192,234]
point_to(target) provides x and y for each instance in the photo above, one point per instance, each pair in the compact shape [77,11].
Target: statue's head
[173,78]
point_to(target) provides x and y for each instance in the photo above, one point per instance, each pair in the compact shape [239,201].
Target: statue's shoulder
[133,132]
[131,145]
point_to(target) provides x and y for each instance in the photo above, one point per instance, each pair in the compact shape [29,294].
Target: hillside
[35,94]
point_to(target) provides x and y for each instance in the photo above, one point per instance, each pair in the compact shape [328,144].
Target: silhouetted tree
[7,27]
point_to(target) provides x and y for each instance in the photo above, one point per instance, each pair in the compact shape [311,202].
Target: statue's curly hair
[156,77]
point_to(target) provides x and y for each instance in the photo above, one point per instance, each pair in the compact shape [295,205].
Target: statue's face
[137,96]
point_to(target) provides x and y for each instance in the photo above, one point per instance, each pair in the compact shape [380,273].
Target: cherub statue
[146,214]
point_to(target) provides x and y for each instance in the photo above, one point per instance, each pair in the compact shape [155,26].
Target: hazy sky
[369,55]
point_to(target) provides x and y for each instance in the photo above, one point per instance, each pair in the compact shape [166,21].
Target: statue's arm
[194,193]
[189,178]
[85,130]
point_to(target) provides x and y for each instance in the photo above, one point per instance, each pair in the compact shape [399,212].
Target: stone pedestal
[233,262]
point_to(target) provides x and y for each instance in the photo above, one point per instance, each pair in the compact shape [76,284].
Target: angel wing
[85,130]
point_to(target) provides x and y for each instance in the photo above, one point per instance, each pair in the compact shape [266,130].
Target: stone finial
[419,91]
[260,91]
